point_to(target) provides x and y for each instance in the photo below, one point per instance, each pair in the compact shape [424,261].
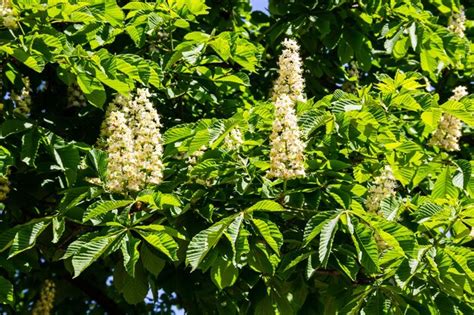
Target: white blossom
[290,75]
[457,23]
[447,135]
[194,157]
[233,140]
[383,187]
[8,15]
[132,138]
[75,97]
[458,93]
[287,148]
[23,100]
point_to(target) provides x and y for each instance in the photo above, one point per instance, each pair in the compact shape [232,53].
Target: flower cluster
[131,136]
[457,23]
[193,158]
[458,93]
[8,15]
[233,140]
[290,74]
[4,187]
[23,101]
[44,305]
[287,148]
[447,135]
[383,187]
[75,97]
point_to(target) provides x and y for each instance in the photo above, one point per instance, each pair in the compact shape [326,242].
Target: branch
[97,295]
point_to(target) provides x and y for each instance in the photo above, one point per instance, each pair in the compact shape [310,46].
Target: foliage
[217,235]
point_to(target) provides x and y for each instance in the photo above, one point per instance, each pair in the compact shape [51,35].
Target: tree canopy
[189,154]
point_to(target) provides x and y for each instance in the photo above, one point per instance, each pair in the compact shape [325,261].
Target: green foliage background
[221,237]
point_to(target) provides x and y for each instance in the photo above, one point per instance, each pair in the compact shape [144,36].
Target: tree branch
[97,295]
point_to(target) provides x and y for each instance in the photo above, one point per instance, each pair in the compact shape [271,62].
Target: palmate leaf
[204,241]
[270,233]
[101,207]
[91,251]
[367,248]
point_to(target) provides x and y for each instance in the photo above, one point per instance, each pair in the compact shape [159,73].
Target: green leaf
[204,241]
[427,210]
[13,126]
[98,159]
[134,289]
[151,262]
[68,160]
[161,228]
[315,225]
[245,54]
[389,208]
[312,120]
[461,179]
[27,234]
[92,89]
[261,260]
[443,186]
[6,292]
[101,207]
[266,206]
[233,230]
[30,144]
[130,253]
[221,45]
[347,262]
[177,133]
[162,242]
[59,225]
[223,273]
[328,231]
[33,61]
[91,251]
[270,233]
[366,248]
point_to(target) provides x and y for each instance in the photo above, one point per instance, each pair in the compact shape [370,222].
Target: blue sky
[259,5]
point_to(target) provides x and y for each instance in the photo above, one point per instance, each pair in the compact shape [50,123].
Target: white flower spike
[132,138]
